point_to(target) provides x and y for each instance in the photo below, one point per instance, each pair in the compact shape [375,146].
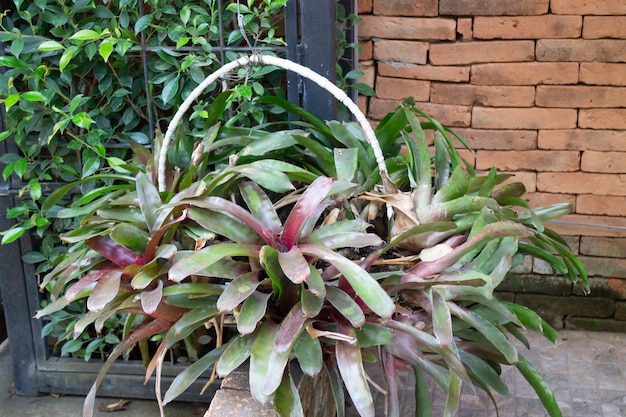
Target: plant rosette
[325,244]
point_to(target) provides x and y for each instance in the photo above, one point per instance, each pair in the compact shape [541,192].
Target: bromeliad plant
[319,245]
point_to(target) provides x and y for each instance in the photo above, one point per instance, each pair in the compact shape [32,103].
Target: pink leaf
[83,283]
[150,299]
[310,199]
[112,250]
[294,265]
[105,290]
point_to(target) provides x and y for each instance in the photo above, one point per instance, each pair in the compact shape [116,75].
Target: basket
[257,59]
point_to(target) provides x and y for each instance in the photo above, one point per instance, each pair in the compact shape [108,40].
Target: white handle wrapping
[305,72]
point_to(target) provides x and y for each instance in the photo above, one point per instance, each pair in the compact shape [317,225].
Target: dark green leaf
[345,305]
[541,387]
[286,399]
[237,291]
[308,352]
[190,374]
[252,311]
[235,354]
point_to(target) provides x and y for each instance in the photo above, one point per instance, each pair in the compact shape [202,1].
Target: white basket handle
[305,72]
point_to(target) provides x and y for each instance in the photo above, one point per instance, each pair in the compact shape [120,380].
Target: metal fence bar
[317,22]
[309,27]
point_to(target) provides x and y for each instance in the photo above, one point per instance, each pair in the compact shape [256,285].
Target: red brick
[364,6]
[363,103]
[402,51]
[602,118]
[599,73]
[407,28]
[597,27]
[528,27]
[525,73]
[608,162]
[586,225]
[424,72]
[406,7]
[399,89]
[523,118]
[493,7]
[544,161]
[601,205]
[369,73]
[582,183]
[460,53]
[604,246]
[585,7]
[464,28]
[546,199]
[448,115]
[366,51]
[529,179]
[580,96]
[582,139]
[489,96]
[604,267]
[499,139]
[580,50]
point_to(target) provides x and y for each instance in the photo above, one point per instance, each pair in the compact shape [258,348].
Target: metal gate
[310,36]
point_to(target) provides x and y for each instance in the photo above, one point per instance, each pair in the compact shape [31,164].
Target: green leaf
[346,162]
[488,330]
[371,334]
[286,399]
[533,321]
[484,372]
[106,48]
[260,205]
[85,35]
[67,56]
[237,291]
[223,225]
[308,352]
[190,374]
[259,359]
[235,354]
[422,394]
[170,90]
[275,181]
[82,120]
[345,305]
[311,304]
[149,200]
[143,22]
[13,234]
[50,46]
[189,322]
[8,103]
[33,96]
[442,321]
[541,387]
[252,311]
[206,257]
[366,287]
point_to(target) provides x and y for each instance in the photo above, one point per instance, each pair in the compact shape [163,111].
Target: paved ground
[587,372]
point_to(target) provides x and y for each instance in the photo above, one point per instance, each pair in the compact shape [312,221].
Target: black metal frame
[311,42]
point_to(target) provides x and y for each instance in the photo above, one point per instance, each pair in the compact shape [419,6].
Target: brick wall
[538,87]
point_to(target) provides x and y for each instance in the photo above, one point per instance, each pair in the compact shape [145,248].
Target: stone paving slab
[586,370]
